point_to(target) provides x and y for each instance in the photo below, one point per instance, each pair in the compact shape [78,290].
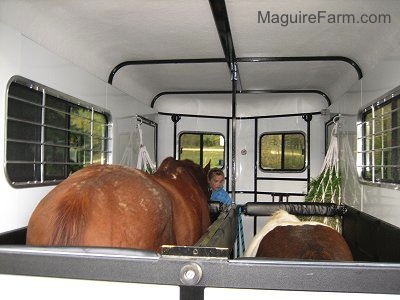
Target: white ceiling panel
[320,75]
[100,34]
[97,35]
[302,36]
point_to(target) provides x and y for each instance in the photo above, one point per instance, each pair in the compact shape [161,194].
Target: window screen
[379,141]
[50,137]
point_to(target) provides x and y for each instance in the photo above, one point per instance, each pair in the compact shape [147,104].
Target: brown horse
[286,237]
[116,206]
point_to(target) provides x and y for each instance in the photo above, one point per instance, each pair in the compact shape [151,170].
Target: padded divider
[14,237]
[295,208]
[388,242]
[222,232]
[369,238]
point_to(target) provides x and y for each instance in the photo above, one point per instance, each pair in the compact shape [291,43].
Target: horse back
[314,242]
[186,184]
[104,205]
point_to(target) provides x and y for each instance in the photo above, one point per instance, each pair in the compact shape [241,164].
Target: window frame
[202,133]
[282,133]
[41,177]
[378,103]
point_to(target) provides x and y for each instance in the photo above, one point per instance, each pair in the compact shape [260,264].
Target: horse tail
[70,222]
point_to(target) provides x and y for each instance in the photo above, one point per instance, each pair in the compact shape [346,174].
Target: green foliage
[329,182]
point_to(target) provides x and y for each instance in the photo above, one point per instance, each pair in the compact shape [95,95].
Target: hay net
[326,188]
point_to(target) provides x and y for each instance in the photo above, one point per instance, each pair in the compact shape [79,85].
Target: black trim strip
[304,58]
[294,91]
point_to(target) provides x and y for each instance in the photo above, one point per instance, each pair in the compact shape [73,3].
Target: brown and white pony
[117,206]
[286,237]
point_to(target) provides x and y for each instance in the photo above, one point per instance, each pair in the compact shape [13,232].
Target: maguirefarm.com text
[319,17]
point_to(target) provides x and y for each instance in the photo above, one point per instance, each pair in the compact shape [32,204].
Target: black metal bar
[125,266]
[195,116]
[175,131]
[231,57]
[283,152]
[221,19]
[269,91]
[227,154]
[308,118]
[291,91]
[241,118]
[268,193]
[304,58]
[175,119]
[162,62]
[201,163]
[233,143]
[255,171]
[191,292]
[282,178]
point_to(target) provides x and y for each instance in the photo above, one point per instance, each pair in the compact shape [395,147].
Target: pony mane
[281,216]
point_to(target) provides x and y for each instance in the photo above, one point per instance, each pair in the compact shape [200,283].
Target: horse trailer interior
[268,91]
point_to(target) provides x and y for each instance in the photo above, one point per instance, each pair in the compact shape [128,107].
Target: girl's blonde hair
[215,172]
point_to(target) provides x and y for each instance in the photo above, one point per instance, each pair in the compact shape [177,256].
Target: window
[202,147]
[379,141]
[49,137]
[282,151]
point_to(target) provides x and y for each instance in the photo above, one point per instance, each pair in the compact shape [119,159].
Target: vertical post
[175,119]
[308,118]
[234,78]
[255,171]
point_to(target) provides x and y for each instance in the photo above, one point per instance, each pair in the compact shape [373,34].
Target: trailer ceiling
[99,35]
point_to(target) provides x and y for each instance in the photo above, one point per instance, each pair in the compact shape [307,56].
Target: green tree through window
[202,148]
[282,151]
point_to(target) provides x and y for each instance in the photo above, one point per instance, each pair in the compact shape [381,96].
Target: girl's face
[216,182]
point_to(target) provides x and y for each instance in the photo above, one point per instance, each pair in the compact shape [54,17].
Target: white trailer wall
[380,202]
[21,56]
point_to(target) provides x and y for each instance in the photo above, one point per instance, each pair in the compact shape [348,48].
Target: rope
[144,161]
[127,157]
[240,234]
